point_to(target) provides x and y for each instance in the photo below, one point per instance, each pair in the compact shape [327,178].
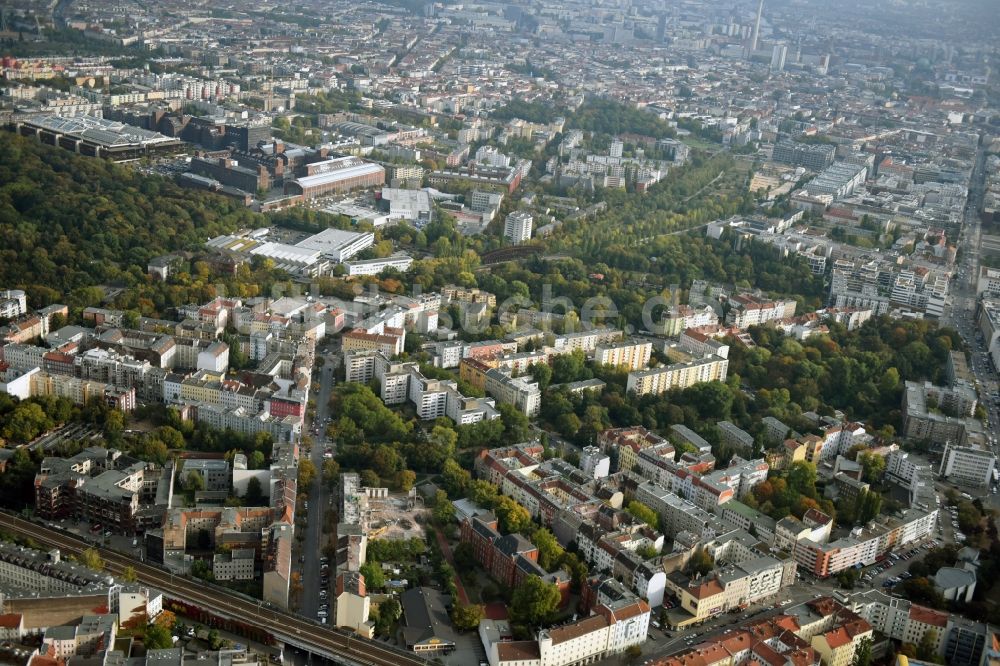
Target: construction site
[368,513]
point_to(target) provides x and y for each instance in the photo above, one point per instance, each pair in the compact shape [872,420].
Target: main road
[318,496]
[960,311]
[283,625]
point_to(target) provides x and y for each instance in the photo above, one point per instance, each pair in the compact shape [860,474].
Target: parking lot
[894,569]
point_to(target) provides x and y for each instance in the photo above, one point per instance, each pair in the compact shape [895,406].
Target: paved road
[283,625]
[318,498]
[960,311]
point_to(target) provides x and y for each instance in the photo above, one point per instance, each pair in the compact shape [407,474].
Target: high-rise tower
[756,28]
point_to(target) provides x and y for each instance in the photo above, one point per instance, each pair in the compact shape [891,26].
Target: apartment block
[521,392]
[814,157]
[611,630]
[677,376]
[747,310]
[734,436]
[966,465]
[628,355]
[103,486]
[628,442]
[922,421]
[353,603]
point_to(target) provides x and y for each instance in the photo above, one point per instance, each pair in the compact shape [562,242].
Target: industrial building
[335,175]
[95,137]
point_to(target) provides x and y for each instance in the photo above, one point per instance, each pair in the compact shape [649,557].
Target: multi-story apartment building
[214,473]
[731,435]
[390,342]
[678,375]
[967,465]
[814,157]
[921,422]
[353,604]
[611,630]
[628,442]
[235,564]
[13,303]
[988,285]
[520,392]
[46,573]
[102,486]
[682,317]
[629,355]
[732,586]
[747,310]
[517,227]
[876,539]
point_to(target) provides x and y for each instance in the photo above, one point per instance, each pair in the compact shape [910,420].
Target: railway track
[285,626]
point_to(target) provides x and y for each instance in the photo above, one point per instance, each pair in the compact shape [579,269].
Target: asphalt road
[960,311]
[319,499]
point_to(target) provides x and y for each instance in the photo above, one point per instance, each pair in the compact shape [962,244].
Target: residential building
[811,156]
[353,604]
[679,375]
[749,311]
[966,465]
[521,392]
[612,629]
[629,355]
[517,227]
[921,423]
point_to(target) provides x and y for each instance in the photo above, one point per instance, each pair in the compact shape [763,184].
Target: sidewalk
[446,551]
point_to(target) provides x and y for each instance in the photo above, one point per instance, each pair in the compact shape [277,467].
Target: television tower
[756,28]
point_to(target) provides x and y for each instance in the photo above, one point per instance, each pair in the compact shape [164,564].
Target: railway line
[285,626]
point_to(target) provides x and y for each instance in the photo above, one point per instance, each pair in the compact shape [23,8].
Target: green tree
[550,553]
[801,478]
[331,473]
[391,609]
[863,653]
[157,637]
[370,478]
[129,575]
[701,563]
[194,482]
[115,422]
[643,513]
[467,617]
[254,495]
[848,578]
[534,602]
[404,480]
[444,510]
[91,559]
[872,466]
[257,460]
[512,516]
[927,647]
[374,578]
[307,472]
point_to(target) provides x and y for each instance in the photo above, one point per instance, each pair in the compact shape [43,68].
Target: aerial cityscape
[527,333]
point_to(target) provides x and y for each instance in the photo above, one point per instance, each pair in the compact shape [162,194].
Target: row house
[628,442]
